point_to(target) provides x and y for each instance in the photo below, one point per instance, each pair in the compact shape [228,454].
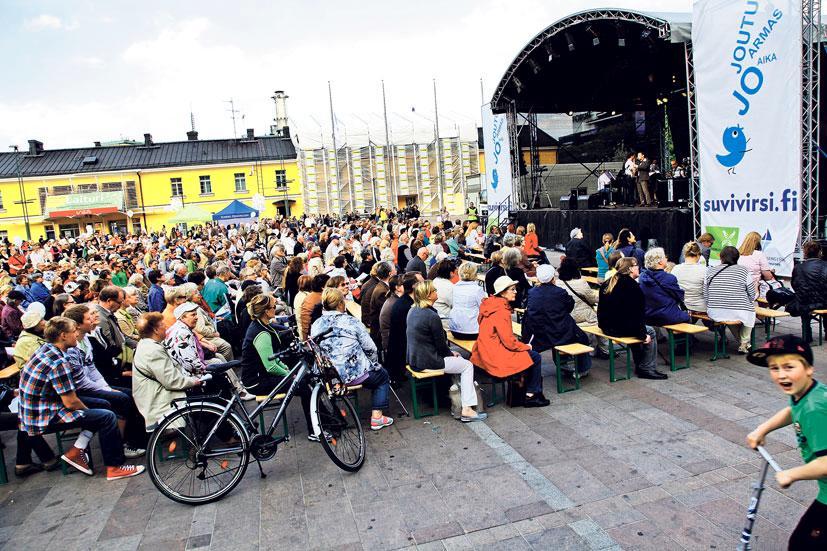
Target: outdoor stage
[671,227]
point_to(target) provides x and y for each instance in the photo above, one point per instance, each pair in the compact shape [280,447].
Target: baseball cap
[783,344]
[184,308]
[70,287]
[545,273]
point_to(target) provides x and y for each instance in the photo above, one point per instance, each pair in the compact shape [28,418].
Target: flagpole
[389,155]
[440,178]
[335,150]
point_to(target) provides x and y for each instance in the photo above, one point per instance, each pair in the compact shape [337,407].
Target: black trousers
[811,532]
[26,443]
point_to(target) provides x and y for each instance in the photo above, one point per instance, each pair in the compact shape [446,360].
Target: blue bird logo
[495,179]
[735,142]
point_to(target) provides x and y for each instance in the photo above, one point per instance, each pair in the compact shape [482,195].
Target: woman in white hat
[31,338]
[498,351]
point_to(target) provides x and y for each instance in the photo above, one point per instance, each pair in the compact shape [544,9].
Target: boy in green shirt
[790,361]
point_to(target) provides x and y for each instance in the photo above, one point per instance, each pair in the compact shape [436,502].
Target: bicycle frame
[299,370]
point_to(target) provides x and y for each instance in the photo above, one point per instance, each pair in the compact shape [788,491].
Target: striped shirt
[730,294]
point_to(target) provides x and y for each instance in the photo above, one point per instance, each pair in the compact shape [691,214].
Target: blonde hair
[421,292]
[259,305]
[530,227]
[623,267]
[332,298]
[467,271]
[691,250]
[750,244]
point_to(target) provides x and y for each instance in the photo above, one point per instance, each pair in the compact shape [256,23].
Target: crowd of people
[108,330]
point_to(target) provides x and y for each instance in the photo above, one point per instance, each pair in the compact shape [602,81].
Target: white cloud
[88,61]
[46,21]
[43,21]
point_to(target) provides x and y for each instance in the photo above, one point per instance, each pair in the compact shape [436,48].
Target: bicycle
[200,451]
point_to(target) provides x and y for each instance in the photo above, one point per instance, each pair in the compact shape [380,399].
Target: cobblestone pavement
[636,464]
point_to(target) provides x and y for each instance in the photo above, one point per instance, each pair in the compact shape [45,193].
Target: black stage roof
[599,60]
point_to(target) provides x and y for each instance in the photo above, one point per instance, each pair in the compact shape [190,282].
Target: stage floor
[670,227]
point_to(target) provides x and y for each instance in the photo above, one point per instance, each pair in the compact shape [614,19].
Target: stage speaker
[574,202]
[595,200]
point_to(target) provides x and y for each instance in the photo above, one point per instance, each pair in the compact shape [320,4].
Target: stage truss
[810,112]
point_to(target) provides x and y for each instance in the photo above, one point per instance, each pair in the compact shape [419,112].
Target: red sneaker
[77,458]
[124,471]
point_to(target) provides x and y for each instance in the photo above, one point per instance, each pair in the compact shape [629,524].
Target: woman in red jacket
[497,349]
[531,245]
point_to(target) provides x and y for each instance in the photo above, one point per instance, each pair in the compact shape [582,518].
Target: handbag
[515,393]
[681,304]
[578,295]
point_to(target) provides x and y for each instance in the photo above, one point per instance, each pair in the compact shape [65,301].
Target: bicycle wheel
[188,469]
[342,437]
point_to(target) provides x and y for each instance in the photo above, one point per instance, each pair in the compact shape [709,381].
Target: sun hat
[502,283]
[783,344]
[546,273]
[182,309]
[33,316]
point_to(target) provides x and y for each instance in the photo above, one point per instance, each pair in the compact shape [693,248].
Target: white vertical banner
[747,60]
[497,159]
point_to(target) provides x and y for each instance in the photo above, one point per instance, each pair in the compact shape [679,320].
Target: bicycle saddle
[216,369]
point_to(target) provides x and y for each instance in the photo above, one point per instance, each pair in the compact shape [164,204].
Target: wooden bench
[570,351]
[589,269]
[719,342]
[680,333]
[517,328]
[769,316]
[591,280]
[423,379]
[819,315]
[9,372]
[623,342]
[468,346]
[478,257]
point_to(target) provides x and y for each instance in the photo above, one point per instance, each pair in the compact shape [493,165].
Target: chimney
[97,144]
[192,135]
[251,134]
[147,140]
[35,148]
[280,98]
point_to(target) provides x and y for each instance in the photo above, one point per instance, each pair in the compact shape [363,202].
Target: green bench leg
[674,341]
[559,363]
[612,377]
[820,329]
[719,344]
[286,432]
[415,385]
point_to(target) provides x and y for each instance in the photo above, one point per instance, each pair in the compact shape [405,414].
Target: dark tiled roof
[137,157]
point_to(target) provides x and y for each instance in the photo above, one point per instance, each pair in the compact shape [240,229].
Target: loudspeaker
[574,202]
[595,200]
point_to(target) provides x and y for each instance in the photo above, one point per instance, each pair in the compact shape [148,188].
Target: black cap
[783,344]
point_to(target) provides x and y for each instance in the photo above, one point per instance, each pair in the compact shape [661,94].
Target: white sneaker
[131,453]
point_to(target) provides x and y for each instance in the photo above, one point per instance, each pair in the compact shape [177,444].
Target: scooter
[757,490]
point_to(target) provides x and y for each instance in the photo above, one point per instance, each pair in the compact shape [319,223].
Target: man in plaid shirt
[48,403]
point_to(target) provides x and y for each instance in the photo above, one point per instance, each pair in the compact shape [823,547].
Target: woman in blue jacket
[661,291]
[548,323]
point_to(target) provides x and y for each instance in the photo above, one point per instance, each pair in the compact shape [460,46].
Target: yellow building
[57,193]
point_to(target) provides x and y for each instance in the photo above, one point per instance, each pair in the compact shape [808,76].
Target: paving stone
[439,531]
[557,538]
[683,524]
[643,536]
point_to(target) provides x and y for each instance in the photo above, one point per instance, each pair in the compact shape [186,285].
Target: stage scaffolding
[365,176]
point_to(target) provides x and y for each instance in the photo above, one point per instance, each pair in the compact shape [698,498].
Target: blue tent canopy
[235,212]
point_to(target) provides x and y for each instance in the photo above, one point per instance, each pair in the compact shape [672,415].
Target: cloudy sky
[77,71]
